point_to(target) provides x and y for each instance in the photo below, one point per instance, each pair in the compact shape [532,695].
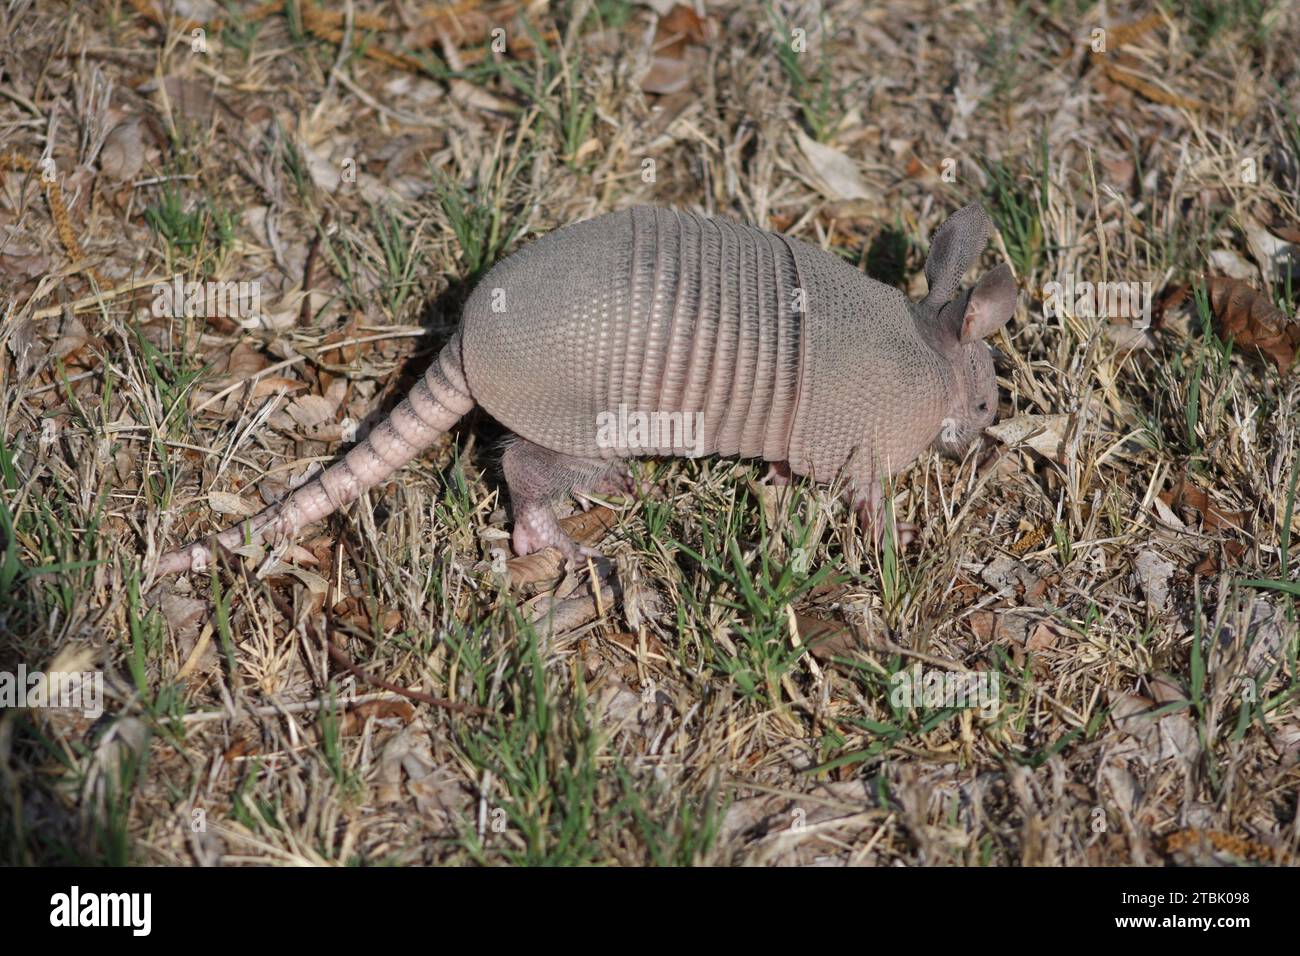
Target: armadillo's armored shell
[648,310]
[874,392]
[785,352]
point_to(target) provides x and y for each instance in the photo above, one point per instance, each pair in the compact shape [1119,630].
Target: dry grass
[1147,706]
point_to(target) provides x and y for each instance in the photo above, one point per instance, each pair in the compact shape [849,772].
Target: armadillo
[772,348]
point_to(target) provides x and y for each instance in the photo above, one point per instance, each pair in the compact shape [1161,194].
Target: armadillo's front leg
[868,501]
[538,479]
[778,474]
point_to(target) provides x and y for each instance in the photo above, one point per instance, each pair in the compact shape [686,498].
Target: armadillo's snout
[956,437]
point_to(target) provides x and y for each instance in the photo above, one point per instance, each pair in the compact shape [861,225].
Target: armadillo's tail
[433,406]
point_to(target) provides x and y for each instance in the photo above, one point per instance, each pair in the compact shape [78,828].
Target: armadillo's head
[956,322]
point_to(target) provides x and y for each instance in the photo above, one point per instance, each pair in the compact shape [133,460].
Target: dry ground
[1126,568]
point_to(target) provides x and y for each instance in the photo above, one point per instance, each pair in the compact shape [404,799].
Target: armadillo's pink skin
[789,353]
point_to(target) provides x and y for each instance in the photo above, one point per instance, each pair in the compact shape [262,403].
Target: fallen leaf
[182,612]
[225,503]
[1004,571]
[561,615]
[19,257]
[1210,563]
[271,384]
[124,463]
[1016,624]
[72,339]
[1124,786]
[1247,316]
[1042,637]
[667,75]
[1277,258]
[312,410]
[436,789]
[123,743]
[24,345]
[759,818]
[1232,265]
[671,68]
[1129,338]
[325,174]
[1044,434]
[1186,495]
[827,639]
[245,362]
[1153,573]
[316,584]
[122,154]
[1289,233]
[618,705]
[1269,634]
[354,720]
[834,174]
[188,101]
[1155,738]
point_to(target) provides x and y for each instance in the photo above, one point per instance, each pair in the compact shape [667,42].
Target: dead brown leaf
[1247,316]
[827,639]
[354,721]
[245,362]
[672,68]
[1210,563]
[1186,495]
[1045,434]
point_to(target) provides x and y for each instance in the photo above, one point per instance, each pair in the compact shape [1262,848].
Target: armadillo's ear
[955,246]
[991,304]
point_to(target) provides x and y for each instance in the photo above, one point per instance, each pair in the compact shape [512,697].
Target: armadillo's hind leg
[539,479]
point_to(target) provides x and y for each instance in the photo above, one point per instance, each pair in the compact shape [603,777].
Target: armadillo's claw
[584,555]
[870,509]
[905,532]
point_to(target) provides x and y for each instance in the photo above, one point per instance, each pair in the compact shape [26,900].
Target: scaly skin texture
[739,342]
[431,408]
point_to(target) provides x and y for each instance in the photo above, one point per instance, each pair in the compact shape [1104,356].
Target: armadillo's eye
[984,406]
